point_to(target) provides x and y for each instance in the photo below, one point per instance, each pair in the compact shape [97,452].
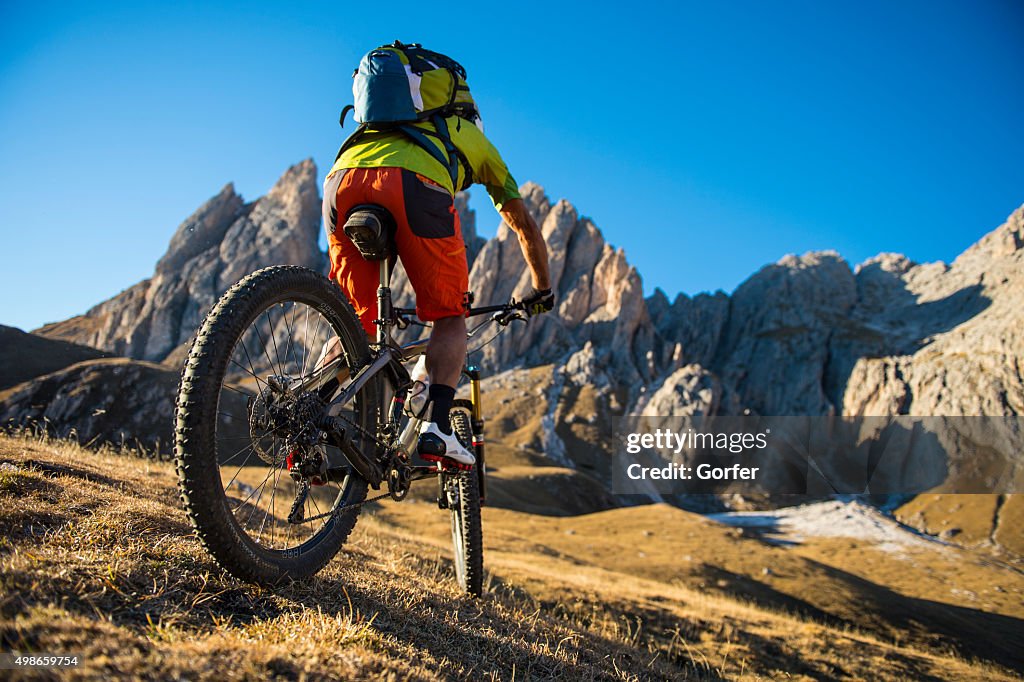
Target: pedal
[446,462]
[432,449]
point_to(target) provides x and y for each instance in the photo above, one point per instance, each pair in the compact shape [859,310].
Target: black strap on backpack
[418,58]
[450,159]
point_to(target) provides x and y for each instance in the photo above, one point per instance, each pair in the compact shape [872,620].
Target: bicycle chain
[349,507]
[346,509]
[363,431]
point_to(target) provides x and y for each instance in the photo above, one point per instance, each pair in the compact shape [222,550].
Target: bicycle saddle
[371,228]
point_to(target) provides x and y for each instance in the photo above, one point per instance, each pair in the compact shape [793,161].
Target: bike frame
[387,356]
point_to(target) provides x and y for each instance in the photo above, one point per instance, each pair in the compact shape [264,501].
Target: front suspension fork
[476,423]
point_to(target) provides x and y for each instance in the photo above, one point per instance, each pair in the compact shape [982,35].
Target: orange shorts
[428,239]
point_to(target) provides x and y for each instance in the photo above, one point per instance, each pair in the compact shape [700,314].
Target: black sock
[441,397]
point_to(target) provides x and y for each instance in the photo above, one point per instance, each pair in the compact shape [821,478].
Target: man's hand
[539,301]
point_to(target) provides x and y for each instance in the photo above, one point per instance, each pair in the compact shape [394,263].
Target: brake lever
[506,318]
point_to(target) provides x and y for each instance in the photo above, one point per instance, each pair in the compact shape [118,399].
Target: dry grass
[984,520]
[97,558]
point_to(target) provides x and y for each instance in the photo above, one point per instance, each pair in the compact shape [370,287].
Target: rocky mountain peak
[600,296]
[202,229]
[536,200]
[807,334]
[895,263]
[1003,242]
[293,187]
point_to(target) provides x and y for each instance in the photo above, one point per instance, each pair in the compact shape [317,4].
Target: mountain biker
[387,168]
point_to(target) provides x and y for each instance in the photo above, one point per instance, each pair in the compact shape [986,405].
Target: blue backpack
[398,85]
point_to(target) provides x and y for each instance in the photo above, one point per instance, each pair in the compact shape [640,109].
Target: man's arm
[531,241]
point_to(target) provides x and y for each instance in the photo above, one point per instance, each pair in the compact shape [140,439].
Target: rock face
[775,345]
[952,338]
[690,391]
[600,296]
[114,401]
[808,335]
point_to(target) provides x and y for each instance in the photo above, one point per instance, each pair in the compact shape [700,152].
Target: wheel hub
[277,414]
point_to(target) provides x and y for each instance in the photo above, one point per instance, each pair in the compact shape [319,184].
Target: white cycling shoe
[435,446]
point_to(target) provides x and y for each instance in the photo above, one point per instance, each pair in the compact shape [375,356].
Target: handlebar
[504,314]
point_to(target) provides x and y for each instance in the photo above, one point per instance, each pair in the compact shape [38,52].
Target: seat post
[384,312]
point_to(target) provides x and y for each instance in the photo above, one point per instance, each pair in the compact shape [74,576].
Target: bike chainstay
[337,511]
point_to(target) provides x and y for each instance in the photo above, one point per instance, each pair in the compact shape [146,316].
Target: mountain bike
[277,441]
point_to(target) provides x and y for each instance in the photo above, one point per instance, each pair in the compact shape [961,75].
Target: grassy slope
[971,520]
[97,558]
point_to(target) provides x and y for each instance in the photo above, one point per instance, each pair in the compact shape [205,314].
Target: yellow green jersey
[377,149]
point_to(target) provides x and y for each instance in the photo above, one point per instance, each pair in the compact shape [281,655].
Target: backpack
[397,85]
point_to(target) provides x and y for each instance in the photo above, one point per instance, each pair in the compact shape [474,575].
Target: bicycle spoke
[262,488]
[312,499]
[239,392]
[270,509]
[305,343]
[273,337]
[288,329]
[244,448]
[252,368]
[253,492]
[263,344]
[316,333]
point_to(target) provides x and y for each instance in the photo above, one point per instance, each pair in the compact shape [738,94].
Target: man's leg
[430,245]
[446,353]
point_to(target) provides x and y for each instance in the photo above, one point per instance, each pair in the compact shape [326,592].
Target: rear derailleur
[306,466]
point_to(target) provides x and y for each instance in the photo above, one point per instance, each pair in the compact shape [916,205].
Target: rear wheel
[463,492]
[259,480]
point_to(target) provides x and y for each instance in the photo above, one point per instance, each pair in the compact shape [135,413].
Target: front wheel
[463,492]
[260,481]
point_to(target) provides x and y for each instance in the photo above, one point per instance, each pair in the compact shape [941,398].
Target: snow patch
[831,519]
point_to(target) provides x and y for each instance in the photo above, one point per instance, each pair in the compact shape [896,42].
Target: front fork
[476,423]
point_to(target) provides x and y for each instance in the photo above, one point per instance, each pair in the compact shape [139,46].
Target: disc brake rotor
[259,429]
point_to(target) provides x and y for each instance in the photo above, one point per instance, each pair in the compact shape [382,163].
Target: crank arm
[421,472]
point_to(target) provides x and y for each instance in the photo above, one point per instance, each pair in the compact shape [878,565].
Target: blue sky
[707,139]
